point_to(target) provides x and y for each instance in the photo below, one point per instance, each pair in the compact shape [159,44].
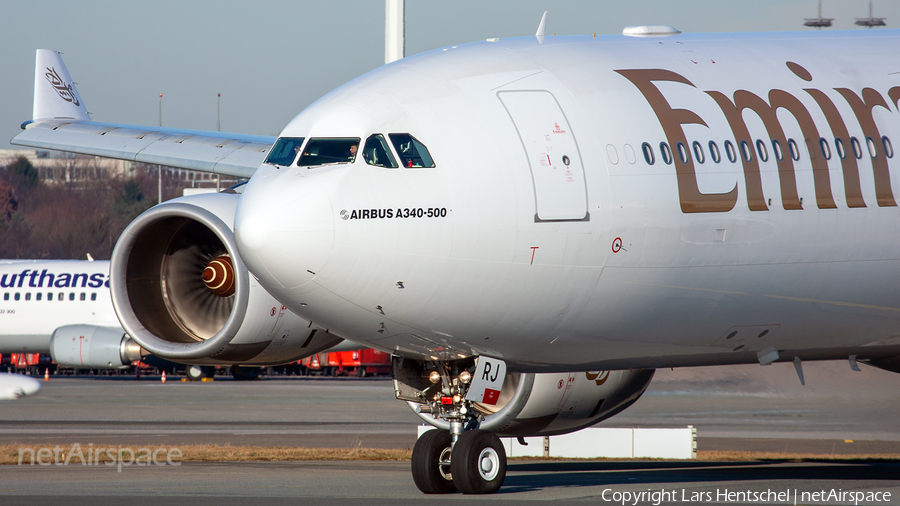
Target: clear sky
[271,58]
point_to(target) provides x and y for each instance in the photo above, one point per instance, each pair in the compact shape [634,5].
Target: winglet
[540,31]
[55,96]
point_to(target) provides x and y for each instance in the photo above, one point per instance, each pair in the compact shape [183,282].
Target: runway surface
[743,408]
[389,483]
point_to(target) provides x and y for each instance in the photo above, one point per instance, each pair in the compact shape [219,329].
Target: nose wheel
[479,462]
[431,463]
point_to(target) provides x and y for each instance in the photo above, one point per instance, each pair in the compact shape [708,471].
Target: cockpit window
[328,150]
[376,152]
[412,152]
[285,150]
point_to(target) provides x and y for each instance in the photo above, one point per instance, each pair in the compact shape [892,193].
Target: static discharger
[798,366]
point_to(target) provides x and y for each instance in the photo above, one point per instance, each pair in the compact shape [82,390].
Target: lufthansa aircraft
[62,308]
[502,213]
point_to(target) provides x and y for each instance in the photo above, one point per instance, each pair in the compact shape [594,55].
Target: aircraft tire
[193,373]
[430,475]
[478,465]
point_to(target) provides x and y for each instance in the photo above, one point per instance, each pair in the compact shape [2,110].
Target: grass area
[9,454]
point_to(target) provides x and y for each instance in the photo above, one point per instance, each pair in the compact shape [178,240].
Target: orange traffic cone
[163,379]
[46,374]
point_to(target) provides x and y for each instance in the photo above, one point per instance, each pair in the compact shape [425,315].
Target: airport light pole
[218,127]
[159,167]
[394,30]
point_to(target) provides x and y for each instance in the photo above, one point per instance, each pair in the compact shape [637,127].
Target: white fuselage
[39,296]
[561,247]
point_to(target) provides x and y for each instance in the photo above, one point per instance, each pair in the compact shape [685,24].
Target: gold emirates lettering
[694,201]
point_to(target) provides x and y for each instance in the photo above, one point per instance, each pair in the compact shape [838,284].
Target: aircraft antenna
[541,26]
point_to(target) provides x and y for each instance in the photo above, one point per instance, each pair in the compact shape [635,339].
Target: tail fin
[55,96]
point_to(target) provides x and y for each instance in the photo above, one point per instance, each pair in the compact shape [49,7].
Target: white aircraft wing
[229,154]
[61,122]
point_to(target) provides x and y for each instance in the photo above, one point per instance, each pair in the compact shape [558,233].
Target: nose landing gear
[465,457]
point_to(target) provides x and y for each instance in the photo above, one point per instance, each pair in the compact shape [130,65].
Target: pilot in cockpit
[351,152]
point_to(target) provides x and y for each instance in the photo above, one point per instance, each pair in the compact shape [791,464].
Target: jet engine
[93,347]
[529,404]
[182,292]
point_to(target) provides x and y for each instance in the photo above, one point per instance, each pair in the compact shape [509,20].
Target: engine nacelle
[93,347]
[529,404]
[182,292]
[566,402]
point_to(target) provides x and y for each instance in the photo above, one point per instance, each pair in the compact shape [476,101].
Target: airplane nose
[284,228]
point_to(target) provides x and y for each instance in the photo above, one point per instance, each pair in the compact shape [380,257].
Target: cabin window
[83,296]
[38,296]
[28,296]
[94,296]
[730,152]
[871,145]
[665,152]
[857,149]
[839,147]
[61,297]
[698,152]
[49,295]
[648,153]
[794,149]
[71,295]
[5,296]
[412,153]
[777,151]
[888,148]
[763,152]
[376,152]
[746,151]
[714,152]
[17,296]
[328,151]
[826,149]
[285,151]
[682,152]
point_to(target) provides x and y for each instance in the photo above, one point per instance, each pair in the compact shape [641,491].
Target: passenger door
[552,154]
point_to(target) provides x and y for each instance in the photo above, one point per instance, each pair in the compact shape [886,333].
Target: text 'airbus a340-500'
[500,214]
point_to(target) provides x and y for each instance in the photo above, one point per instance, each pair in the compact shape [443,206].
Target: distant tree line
[61,219]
